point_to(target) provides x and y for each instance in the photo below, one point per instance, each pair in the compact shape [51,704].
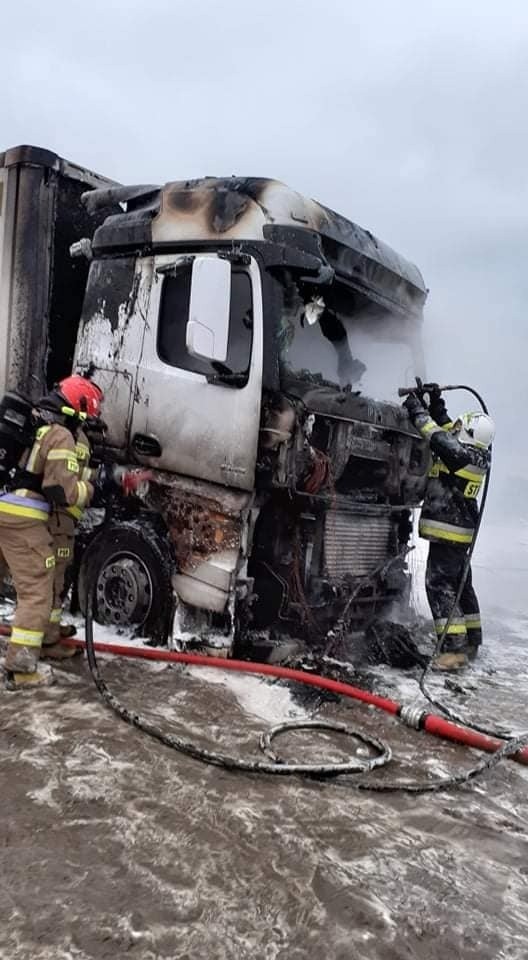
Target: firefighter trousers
[27,547]
[445,564]
[62,530]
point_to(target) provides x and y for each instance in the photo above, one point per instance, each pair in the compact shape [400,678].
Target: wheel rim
[124,590]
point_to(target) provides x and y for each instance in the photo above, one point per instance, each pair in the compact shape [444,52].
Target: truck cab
[250,343]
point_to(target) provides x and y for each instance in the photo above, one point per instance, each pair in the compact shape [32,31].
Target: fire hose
[418,719]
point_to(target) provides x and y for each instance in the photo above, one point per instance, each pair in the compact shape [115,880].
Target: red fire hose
[418,719]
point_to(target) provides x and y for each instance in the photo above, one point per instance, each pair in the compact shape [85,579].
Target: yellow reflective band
[82,495]
[31,513]
[50,563]
[429,528]
[70,412]
[55,615]
[42,431]
[448,426]
[27,638]
[473,623]
[471,473]
[32,459]
[88,474]
[456,626]
[429,427]
[61,453]
[75,512]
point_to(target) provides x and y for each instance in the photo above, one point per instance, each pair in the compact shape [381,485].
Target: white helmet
[476,429]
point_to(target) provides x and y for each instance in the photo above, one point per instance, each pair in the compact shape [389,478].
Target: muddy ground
[113,846]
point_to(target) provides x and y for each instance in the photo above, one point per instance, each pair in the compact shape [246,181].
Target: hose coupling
[413,716]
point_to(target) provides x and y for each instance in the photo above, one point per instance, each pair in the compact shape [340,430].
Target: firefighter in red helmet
[84,398]
[49,483]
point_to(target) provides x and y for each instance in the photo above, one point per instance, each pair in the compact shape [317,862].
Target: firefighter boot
[450,661]
[15,682]
[59,651]
[20,668]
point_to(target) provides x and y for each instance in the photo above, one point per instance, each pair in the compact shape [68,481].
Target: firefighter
[85,398]
[460,460]
[48,479]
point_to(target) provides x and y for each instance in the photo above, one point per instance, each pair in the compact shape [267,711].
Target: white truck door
[190,415]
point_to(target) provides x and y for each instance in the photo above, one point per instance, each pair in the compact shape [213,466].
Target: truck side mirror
[208,325]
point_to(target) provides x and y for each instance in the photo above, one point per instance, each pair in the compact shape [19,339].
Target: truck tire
[128,568]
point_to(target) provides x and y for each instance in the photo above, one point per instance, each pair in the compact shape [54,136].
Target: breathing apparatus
[74,402]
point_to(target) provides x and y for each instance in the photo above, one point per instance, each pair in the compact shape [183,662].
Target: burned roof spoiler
[110,196]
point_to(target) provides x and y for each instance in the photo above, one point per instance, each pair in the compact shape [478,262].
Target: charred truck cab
[241,334]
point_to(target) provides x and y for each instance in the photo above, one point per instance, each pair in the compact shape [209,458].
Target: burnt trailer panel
[41,287]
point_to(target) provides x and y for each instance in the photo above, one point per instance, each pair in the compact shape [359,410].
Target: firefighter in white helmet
[460,460]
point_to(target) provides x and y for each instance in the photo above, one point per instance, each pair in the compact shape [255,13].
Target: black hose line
[356,765]
[329,770]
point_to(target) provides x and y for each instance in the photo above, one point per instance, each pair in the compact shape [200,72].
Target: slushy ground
[113,846]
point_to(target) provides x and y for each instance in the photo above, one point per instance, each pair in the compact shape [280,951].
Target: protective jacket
[450,508]
[49,477]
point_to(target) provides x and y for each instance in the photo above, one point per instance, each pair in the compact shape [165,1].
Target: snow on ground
[114,846]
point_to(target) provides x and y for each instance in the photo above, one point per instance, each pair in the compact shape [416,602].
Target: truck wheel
[129,571]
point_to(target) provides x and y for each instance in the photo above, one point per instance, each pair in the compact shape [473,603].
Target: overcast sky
[407,116]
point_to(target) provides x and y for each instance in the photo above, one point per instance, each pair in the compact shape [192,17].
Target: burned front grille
[355,544]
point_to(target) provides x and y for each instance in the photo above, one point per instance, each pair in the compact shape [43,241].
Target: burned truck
[250,343]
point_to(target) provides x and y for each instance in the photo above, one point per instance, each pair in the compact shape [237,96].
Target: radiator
[355,545]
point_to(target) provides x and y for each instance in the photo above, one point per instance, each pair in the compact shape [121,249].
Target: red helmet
[82,395]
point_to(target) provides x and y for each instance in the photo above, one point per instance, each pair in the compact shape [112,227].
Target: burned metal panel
[26,288]
[41,287]
[203,518]
[69,277]
[206,527]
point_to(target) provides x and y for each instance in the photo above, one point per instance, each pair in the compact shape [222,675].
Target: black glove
[413,405]
[437,407]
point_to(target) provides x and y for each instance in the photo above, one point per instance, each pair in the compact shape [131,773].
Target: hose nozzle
[425,388]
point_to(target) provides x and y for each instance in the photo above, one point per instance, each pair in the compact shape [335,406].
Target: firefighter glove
[135,482]
[413,405]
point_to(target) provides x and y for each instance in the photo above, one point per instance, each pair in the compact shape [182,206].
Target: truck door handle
[146,445]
